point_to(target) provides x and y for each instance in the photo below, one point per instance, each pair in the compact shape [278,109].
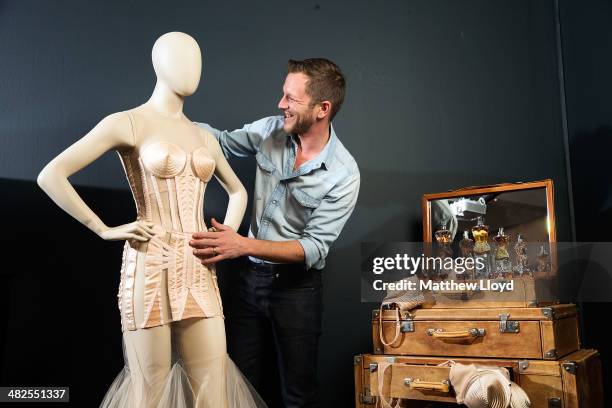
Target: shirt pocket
[300,206]
[266,178]
[264,163]
[304,199]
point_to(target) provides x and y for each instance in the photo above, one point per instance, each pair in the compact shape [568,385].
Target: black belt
[276,268]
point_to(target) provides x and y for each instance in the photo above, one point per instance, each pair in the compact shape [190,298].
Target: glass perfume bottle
[521,266]
[482,250]
[543,260]
[445,252]
[466,246]
[503,266]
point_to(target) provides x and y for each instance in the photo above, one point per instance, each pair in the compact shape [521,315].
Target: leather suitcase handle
[416,384]
[458,334]
[397,328]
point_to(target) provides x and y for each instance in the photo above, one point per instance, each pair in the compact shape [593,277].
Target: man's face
[300,115]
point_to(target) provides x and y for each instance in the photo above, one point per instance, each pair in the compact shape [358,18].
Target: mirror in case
[506,231]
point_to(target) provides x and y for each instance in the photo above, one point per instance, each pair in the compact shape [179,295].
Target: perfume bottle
[503,266]
[521,266]
[466,246]
[480,232]
[543,260]
[445,252]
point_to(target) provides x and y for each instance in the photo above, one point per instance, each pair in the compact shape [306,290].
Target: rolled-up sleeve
[327,221]
[245,141]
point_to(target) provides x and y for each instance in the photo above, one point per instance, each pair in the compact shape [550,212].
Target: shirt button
[276,275]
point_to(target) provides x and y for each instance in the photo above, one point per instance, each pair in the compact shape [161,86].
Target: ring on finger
[214,251]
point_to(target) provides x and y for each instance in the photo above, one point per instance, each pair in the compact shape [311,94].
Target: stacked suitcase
[539,345]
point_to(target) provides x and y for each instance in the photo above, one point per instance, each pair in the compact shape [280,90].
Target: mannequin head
[177,61]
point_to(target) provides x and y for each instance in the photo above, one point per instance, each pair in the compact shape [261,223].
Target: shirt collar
[326,155]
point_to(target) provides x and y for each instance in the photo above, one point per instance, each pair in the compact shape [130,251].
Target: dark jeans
[283,306]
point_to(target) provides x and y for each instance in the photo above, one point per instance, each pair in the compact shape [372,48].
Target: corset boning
[168,186]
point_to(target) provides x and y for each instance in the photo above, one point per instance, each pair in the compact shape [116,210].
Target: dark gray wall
[441,94]
[587,57]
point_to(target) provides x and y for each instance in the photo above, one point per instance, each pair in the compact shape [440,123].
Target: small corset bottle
[480,232]
[445,252]
[521,266]
[543,260]
[503,266]
[466,246]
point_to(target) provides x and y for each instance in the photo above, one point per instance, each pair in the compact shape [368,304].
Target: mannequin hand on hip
[138,230]
[221,243]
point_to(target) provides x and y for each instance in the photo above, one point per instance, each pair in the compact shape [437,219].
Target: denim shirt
[311,204]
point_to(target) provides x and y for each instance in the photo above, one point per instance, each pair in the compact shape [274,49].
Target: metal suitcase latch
[366,397]
[407,326]
[570,367]
[548,313]
[508,326]
[551,354]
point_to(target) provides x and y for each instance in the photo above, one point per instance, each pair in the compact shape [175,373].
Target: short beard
[302,125]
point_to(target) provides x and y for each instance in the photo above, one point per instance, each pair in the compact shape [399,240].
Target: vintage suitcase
[571,382]
[537,333]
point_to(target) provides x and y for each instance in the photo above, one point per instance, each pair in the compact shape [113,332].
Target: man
[306,187]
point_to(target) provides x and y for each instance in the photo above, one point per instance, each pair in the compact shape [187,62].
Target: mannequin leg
[201,343]
[149,357]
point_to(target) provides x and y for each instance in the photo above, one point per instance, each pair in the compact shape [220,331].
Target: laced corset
[168,187]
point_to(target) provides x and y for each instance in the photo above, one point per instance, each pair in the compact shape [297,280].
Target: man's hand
[224,243]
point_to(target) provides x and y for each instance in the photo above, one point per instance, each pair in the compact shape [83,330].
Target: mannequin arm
[113,132]
[237,193]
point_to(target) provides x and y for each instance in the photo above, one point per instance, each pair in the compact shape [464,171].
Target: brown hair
[326,81]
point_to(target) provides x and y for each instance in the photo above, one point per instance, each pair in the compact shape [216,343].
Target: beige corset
[161,280]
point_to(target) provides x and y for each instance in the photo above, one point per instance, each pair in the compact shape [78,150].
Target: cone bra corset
[168,187]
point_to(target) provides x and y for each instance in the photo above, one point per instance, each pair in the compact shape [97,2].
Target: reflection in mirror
[501,225]
[507,230]
[521,212]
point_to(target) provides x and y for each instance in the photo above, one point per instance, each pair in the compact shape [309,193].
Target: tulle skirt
[150,379]
[217,391]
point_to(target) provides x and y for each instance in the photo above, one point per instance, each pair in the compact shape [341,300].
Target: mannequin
[171,312]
